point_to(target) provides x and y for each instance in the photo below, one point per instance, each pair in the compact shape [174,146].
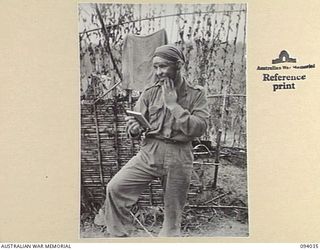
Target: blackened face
[164,68]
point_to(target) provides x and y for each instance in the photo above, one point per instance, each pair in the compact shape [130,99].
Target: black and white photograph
[163,120]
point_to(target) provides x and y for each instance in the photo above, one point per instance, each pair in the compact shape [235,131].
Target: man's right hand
[169,94]
[133,126]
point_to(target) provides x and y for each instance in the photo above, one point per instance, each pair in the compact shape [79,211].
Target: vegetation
[211,36]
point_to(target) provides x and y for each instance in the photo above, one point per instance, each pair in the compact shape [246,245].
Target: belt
[166,140]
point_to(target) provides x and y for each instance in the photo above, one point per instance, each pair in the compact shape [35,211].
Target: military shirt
[185,122]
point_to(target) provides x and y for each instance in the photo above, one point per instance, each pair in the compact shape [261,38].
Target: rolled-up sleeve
[193,123]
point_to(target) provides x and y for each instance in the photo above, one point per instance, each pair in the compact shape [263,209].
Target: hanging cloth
[137,55]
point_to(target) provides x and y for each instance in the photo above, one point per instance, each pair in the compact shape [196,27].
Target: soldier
[177,113]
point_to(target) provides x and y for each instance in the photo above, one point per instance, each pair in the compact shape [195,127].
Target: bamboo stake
[232,67]
[143,227]
[217,159]
[151,194]
[222,207]
[108,91]
[115,127]
[104,31]
[215,198]
[243,68]
[98,139]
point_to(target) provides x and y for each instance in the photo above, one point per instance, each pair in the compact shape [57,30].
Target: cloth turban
[170,53]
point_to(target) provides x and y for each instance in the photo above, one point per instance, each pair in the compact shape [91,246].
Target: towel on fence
[137,58]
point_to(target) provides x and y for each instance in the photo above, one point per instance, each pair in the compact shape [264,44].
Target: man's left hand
[169,94]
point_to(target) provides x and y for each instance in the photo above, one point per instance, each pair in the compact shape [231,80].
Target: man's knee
[113,187]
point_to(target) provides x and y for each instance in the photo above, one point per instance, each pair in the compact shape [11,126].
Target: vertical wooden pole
[218,140]
[98,135]
[115,124]
[232,69]
[151,194]
[225,85]
[108,47]
[243,70]
[217,159]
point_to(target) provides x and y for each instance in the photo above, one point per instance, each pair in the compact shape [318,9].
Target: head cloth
[170,53]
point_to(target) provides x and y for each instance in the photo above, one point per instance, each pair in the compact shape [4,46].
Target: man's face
[164,68]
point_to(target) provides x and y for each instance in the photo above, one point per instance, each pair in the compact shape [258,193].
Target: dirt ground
[211,221]
[222,226]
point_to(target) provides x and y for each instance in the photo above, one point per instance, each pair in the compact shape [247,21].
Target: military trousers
[156,158]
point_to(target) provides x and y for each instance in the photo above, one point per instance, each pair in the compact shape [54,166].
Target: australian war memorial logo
[278,74]
[284,57]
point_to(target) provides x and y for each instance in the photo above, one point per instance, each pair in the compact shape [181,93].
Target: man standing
[177,113]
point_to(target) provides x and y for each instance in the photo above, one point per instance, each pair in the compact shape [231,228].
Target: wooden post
[218,139]
[115,123]
[232,73]
[106,34]
[98,135]
[217,160]
[151,194]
